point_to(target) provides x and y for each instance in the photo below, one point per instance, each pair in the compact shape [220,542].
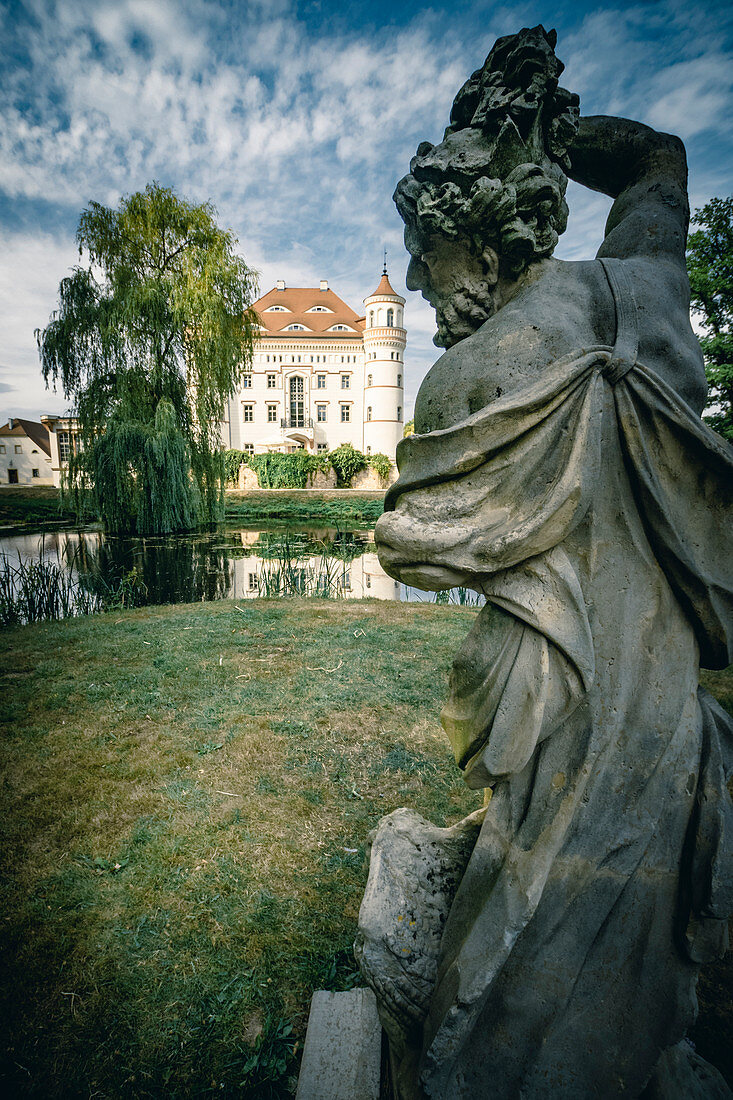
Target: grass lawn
[187,793]
[186,809]
[32,508]
[338,507]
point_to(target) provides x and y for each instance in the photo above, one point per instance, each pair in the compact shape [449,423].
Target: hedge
[290,471]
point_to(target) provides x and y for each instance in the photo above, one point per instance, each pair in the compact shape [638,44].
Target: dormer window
[277,309]
[319,309]
[340,328]
[295,328]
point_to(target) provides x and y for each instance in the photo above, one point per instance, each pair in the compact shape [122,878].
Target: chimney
[10,423]
[280,284]
[324,284]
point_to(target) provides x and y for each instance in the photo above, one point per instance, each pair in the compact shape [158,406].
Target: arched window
[369,380]
[371,318]
[369,412]
[399,318]
[390,318]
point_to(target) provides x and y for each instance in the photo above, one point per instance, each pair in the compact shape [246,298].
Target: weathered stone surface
[247,478]
[320,480]
[414,871]
[681,1074]
[369,479]
[562,470]
[343,1044]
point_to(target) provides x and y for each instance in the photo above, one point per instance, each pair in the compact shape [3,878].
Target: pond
[231,561]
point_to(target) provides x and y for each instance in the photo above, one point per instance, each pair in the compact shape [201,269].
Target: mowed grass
[22,508]
[187,793]
[336,507]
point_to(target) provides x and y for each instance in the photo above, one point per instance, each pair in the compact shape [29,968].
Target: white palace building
[322,375]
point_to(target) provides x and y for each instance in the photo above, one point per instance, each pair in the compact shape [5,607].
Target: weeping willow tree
[152,334]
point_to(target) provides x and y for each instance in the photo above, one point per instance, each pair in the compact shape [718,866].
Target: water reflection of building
[311,574]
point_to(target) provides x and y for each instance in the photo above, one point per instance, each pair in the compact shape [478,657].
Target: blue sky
[296,118]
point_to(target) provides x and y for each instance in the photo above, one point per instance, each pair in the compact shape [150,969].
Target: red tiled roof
[36,432]
[298,300]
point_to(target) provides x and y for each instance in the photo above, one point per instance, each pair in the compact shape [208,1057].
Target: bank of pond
[53,575]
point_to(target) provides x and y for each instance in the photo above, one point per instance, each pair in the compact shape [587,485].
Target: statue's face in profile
[458,283]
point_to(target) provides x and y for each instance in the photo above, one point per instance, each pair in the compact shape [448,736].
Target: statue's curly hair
[503,183]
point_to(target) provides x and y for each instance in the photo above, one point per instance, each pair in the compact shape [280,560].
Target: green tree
[151,336]
[710,267]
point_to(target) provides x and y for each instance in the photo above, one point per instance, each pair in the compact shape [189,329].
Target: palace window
[320,447]
[320,381]
[371,318]
[399,412]
[248,413]
[390,318]
[399,379]
[321,414]
[345,382]
[247,382]
[369,380]
[272,414]
[277,309]
[295,328]
[369,451]
[346,414]
[369,412]
[271,381]
[248,448]
[35,473]
[64,446]
[252,581]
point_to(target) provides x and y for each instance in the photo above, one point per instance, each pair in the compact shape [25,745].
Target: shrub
[233,459]
[382,465]
[347,461]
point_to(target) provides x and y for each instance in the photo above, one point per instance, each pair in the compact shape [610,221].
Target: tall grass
[290,570]
[59,587]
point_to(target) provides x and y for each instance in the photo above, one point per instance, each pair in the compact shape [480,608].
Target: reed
[60,586]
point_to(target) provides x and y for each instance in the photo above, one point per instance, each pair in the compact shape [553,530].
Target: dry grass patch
[189,792]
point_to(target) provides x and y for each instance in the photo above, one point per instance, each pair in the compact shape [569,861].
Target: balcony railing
[296,422]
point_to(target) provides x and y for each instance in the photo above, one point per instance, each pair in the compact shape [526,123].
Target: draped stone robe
[591,510]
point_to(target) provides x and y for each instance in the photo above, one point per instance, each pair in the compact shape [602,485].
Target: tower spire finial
[384,269]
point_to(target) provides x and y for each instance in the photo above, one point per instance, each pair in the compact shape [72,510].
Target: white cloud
[299,137]
[31,267]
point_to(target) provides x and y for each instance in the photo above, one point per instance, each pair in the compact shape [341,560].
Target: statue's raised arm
[645,172]
[560,469]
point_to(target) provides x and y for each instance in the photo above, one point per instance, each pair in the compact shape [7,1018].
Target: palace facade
[322,375]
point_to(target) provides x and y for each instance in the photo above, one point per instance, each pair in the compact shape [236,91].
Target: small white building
[322,375]
[63,432]
[25,453]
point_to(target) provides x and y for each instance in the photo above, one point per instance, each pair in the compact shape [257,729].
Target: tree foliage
[710,267]
[151,336]
[347,462]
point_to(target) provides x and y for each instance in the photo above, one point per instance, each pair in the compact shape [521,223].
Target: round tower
[384,369]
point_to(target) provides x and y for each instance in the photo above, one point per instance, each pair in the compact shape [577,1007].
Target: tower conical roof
[385,287]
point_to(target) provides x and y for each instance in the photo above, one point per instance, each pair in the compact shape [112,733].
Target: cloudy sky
[296,118]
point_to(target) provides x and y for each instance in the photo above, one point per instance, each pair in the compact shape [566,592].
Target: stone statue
[549,945]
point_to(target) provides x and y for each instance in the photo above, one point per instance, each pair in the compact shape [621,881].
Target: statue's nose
[415,279]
